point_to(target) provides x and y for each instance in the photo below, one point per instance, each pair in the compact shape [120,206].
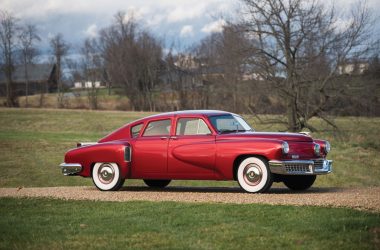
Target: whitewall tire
[253,175]
[106,176]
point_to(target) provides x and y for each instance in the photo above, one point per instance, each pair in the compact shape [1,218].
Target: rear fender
[102,152]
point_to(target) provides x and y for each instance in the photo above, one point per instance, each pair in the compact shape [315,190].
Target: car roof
[190,112]
[184,112]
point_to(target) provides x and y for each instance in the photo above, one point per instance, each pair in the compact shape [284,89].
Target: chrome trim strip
[70,168]
[82,144]
[300,167]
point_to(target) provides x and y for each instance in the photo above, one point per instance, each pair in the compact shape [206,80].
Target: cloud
[185,12]
[214,27]
[155,20]
[91,31]
[187,31]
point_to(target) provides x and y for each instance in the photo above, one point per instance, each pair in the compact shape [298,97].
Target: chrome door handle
[174,138]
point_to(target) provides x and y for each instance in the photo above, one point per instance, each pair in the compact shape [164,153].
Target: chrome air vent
[127,154]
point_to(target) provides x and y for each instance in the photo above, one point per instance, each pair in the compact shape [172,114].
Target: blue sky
[184,22]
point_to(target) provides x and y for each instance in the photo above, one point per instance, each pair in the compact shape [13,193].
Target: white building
[353,68]
[87,85]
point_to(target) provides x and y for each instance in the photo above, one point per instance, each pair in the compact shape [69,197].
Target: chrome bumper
[70,168]
[301,167]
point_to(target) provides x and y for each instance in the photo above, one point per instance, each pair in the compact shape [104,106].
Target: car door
[191,152]
[150,149]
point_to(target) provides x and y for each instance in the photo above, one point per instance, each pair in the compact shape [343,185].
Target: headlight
[327,147]
[317,149]
[285,147]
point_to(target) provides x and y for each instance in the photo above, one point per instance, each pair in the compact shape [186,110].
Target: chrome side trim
[301,167]
[82,144]
[70,168]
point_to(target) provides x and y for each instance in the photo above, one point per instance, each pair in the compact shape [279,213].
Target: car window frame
[212,132]
[134,125]
[157,120]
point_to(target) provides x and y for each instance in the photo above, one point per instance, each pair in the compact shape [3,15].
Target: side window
[135,130]
[192,126]
[158,128]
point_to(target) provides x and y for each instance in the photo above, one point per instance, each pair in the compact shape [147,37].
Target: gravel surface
[357,198]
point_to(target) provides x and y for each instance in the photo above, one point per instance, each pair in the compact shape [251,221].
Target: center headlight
[317,149]
[285,147]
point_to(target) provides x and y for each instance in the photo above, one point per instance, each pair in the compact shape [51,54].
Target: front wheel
[157,183]
[254,176]
[299,182]
[107,177]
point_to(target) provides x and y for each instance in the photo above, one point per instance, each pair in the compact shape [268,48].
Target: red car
[199,145]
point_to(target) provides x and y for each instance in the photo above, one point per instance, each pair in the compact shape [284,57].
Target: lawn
[56,224]
[33,143]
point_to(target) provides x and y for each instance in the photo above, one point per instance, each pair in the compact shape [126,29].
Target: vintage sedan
[199,145]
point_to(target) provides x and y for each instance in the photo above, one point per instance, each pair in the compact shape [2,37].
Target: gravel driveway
[357,198]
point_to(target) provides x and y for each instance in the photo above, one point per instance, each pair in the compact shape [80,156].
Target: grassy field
[55,224]
[33,143]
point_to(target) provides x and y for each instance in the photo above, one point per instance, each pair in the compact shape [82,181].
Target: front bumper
[301,167]
[70,168]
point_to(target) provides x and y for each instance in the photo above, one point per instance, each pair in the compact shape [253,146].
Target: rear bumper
[70,168]
[301,167]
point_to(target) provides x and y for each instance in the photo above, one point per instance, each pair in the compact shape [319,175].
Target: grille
[297,168]
[318,164]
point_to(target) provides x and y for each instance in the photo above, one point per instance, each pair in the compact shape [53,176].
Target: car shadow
[187,189]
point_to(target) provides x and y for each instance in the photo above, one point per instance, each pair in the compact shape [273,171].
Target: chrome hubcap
[106,173]
[252,174]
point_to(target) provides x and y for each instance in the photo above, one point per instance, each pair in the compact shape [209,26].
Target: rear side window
[135,130]
[156,128]
[192,126]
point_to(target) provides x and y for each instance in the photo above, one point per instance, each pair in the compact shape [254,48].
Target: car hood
[266,135]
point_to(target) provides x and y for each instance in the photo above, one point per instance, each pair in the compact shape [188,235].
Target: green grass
[34,141]
[56,224]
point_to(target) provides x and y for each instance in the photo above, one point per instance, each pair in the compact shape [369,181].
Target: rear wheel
[157,183]
[107,177]
[254,176]
[299,182]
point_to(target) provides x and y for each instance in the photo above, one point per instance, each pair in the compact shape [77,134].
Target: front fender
[229,150]
[101,152]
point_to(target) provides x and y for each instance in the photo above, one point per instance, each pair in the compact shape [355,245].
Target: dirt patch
[356,198]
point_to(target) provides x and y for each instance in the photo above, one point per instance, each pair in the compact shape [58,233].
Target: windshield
[229,124]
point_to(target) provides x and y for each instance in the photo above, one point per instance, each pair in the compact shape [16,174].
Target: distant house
[87,85]
[42,78]
[353,68]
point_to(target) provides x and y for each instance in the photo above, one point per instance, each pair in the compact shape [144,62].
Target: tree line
[278,57]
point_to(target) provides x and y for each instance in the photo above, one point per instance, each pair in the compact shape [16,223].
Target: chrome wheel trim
[106,173]
[258,181]
[252,174]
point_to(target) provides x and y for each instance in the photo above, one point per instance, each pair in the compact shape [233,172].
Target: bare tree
[27,37]
[8,43]
[59,48]
[224,67]
[132,59]
[91,69]
[185,81]
[297,45]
